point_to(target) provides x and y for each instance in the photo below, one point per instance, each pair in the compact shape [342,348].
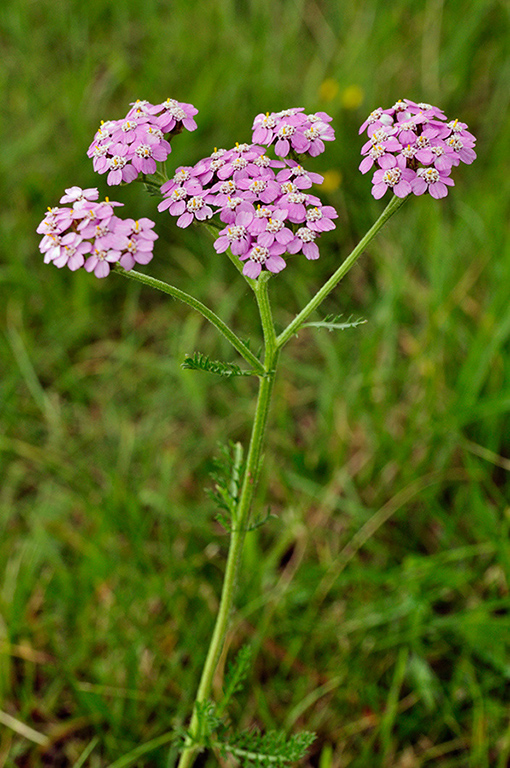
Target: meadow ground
[376,600]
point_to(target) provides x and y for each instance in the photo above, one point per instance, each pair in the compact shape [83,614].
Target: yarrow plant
[256,200]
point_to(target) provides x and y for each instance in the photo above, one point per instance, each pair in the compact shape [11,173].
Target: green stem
[240,521]
[342,270]
[262,296]
[209,315]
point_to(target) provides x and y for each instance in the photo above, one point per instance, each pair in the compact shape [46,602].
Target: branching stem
[197,305]
[342,270]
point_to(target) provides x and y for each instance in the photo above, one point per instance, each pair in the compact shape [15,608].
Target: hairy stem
[240,522]
[209,315]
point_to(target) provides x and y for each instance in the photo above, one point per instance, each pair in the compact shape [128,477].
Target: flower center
[217,164]
[259,254]
[177,112]
[377,151]
[429,174]
[306,235]
[297,197]
[374,116]
[286,130]
[195,204]
[143,150]
[233,202]
[268,121]
[236,233]
[312,133]
[274,225]
[313,214]
[117,162]
[392,176]
[379,136]
[228,187]
[178,193]
[182,175]
[454,142]
[287,187]
[100,151]
[157,132]
[258,185]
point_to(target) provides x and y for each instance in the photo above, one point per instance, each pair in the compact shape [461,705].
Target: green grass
[377,599]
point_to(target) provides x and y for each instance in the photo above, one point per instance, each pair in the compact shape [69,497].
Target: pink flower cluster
[265,204]
[124,148]
[414,148]
[89,235]
[291,129]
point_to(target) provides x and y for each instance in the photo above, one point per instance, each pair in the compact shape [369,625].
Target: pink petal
[102,269]
[366,164]
[378,190]
[185,220]
[311,251]
[438,190]
[402,189]
[275,264]
[419,186]
[252,269]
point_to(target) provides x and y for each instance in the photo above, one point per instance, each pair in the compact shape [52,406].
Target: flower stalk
[240,520]
[197,305]
[293,327]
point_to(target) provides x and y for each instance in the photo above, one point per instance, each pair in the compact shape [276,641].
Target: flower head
[124,148]
[292,130]
[415,147]
[90,235]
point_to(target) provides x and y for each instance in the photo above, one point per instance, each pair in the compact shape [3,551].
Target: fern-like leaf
[272,749]
[200,362]
[227,474]
[234,679]
[332,323]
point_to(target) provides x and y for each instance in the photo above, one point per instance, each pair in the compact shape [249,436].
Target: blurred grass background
[377,600]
